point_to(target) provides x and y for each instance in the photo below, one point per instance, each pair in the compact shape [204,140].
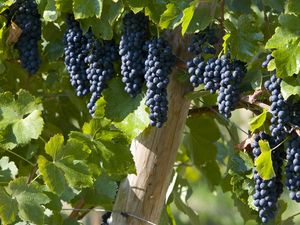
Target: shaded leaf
[84,9]
[117,109]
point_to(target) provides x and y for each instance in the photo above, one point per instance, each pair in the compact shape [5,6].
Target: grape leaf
[68,166]
[286,42]
[293,6]
[135,123]
[201,19]
[8,170]
[188,14]
[243,38]
[258,121]
[84,9]
[136,5]
[263,162]
[290,86]
[117,109]
[154,9]
[8,207]
[168,16]
[109,144]
[199,141]
[102,193]
[50,13]
[21,119]
[24,199]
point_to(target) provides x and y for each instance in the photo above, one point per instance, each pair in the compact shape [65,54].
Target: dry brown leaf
[245,144]
[297,130]
[14,33]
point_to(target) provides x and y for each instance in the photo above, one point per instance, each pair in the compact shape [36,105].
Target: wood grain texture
[154,154]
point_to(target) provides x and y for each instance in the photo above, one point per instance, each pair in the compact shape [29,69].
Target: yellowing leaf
[258,121]
[263,162]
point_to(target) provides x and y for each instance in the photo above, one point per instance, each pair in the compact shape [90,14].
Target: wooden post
[154,152]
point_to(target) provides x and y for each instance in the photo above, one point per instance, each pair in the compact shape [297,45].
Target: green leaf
[168,16]
[188,14]
[275,4]
[196,94]
[243,38]
[135,123]
[64,6]
[21,119]
[54,145]
[8,207]
[290,86]
[287,59]
[200,140]
[183,207]
[201,19]
[109,144]
[84,9]
[8,170]
[263,162]
[136,5]
[103,192]
[154,9]
[286,42]
[50,13]
[53,45]
[53,176]
[237,8]
[29,198]
[117,109]
[293,6]
[258,121]
[69,165]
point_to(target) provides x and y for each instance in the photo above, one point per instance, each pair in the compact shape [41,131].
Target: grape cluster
[293,167]
[265,63]
[100,68]
[203,41]
[76,50]
[158,66]
[132,53]
[267,192]
[229,91]
[196,68]
[105,218]
[279,108]
[25,15]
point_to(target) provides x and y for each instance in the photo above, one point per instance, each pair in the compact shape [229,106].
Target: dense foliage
[81,79]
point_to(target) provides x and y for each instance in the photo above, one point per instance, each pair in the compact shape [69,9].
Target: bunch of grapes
[293,167]
[229,91]
[76,50]
[267,192]
[199,70]
[158,66]
[265,63]
[132,53]
[25,15]
[196,68]
[203,41]
[279,108]
[100,68]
